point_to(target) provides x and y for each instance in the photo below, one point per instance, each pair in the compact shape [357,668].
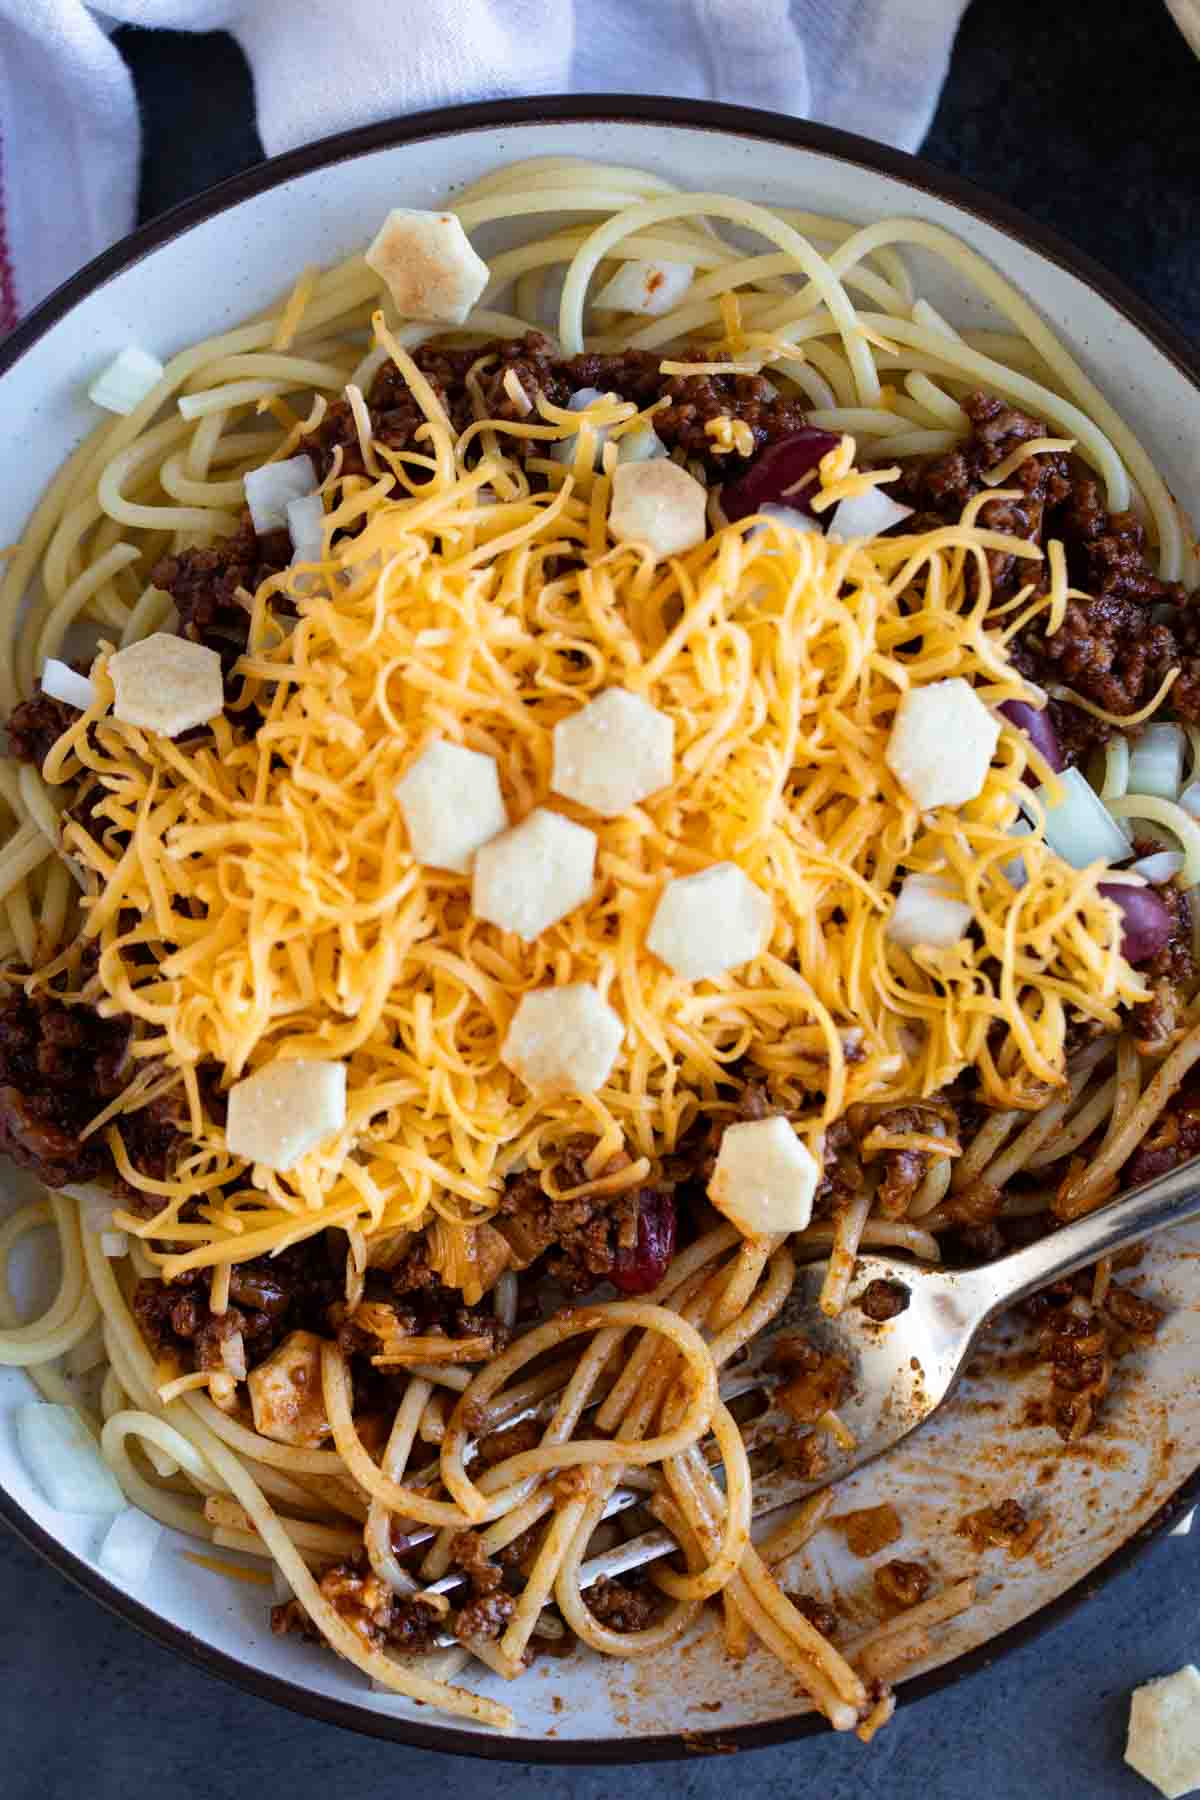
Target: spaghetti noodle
[183,913]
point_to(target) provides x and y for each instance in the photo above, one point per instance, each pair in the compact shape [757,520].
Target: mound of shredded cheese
[253,894]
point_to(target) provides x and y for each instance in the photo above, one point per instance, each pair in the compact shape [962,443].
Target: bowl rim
[1186,14]
[723,120]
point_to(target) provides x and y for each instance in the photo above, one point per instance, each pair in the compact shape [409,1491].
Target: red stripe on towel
[8,285]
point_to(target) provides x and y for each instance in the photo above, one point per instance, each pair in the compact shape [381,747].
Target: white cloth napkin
[69,139]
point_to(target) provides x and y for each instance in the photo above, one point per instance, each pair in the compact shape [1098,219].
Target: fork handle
[1169,1199]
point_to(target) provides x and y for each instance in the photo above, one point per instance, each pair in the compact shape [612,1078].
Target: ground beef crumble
[1154,1022]
[301,1289]
[902,1583]
[1171,1140]
[623,1603]
[804,1454]
[577,1241]
[497,1446]
[940,487]
[812,1382]
[691,401]
[819,1613]
[1004,1526]
[882,1300]
[582,1235]
[1082,1342]
[205,584]
[381,1618]
[859,1138]
[490,1607]
[59,1066]
[522,1552]
[35,726]
[870,1529]
[872,1124]
[467,1554]
[486,1616]
[418,1305]
[1114,647]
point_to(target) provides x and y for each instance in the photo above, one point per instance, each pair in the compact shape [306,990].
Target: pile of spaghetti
[248,892]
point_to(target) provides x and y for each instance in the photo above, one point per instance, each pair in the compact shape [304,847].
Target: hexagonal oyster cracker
[612,753]
[450,798]
[532,876]
[709,922]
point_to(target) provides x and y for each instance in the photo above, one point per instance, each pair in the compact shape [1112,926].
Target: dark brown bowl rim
[732,121]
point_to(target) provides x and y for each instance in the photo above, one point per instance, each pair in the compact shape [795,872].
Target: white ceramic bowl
[1186,14]
[208,265]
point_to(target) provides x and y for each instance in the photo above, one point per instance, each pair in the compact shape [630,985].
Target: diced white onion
[649,288]
[95,1205]
[548,1626]
[1164,865]
[129,1545]
[643,445]
[1156,761]
[927,914]
[1190,798]
[114,1244]
[564,450]
[87,1354]
[127,380]
[233,1355]
[1116,769]
[1015,870]
[504,1299]
[306,527]
[790,515]
[65,1461]
[222,1390]
[269,489]
[866,515]
[1080,828]
[1182,825]
[61,682]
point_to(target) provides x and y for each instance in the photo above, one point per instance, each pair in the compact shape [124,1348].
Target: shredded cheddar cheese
[254,895]
[729,434]
[234,1571]
[291,317]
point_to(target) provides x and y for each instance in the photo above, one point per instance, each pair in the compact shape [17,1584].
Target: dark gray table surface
[1087,114]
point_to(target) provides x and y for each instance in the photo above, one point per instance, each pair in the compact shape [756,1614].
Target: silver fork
[904,1370]
[743,1380]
